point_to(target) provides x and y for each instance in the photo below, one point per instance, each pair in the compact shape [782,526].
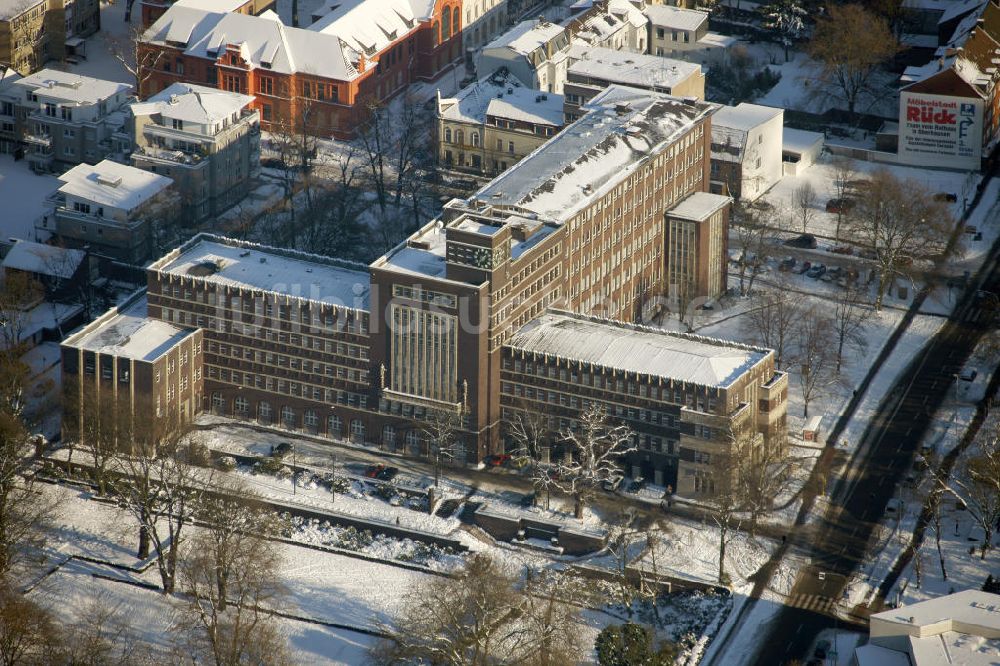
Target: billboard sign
[940,130]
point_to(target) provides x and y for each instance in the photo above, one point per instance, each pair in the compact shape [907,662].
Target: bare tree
[754,226]
[805,202]
[725,514]
[977,484]
[850,320]
[595,450]
[28,632]
[104,635]
[230,571]
[18,294]
[935,501]
[478,618]
[816,356]
[157,487]
[530,432]
[760,472]
[844,171]
[850,43]
[785,18]
[440,431]
[900,224]
[772,321]
[139,59]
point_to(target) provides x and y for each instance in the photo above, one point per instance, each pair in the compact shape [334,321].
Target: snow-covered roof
[526,36]
[960,628]
[262,40]
[367,25]
[504,96]
[744,116]
[130,333]
[599,23]
[11,8]
[623,127]
[288,272]
[47,315]
[194,104]
[665,16]
[698,206]
[643,350]
[212,5]
[112,184]
[959,7]
[876,655]
[42,259]
[717,40]
[799,141]
[634,69]
[70,88]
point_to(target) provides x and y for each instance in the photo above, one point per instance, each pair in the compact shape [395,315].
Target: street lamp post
[333,479]
[294,465]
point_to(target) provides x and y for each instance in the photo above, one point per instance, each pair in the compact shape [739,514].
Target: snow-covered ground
[23,194]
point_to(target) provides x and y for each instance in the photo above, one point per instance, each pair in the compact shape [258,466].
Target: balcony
[44,140]
[172,156]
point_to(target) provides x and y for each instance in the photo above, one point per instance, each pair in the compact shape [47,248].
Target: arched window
[456,20]
[445,25]
[475,139]
[218,402]
[264,411]
[447,135]
[357,431]
[288,416]
[459,136]
[413,442]
[388,435]
[334,425]
[242,405]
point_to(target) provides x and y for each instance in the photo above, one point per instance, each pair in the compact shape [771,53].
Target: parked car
[528,500]
[636,485]
[969,375]
[281,450]
[497,460]
[807,241]
[387,473]
[787,264]
[373,471]
[611,485]
[840,205]
[822,649]
[804,268]
[950,197]
[816,271]
[842,249]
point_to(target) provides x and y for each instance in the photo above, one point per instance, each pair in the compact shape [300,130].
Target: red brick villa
[354,52]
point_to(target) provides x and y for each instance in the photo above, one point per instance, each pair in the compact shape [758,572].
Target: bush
[268,466]
[628,644]
[384,491]
[226,463]
[198,454]
[340,484]
[283,473]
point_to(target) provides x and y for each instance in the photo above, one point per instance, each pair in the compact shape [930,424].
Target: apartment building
[493,123]
[746,150]
[205,139]
[594,69]
[62,119]
[154,9]
[111,209]
[370,352]
[130,377]
[32,32]
[684,396]
[683,34]
[484,21]
[613,24]
[325,76]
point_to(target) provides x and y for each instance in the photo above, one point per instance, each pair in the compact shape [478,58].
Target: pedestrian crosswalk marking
[813,602]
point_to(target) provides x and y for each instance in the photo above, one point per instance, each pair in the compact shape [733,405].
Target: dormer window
[265,65]
[234,60]
[177,124]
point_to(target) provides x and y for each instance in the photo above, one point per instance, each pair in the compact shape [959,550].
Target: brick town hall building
[480,312]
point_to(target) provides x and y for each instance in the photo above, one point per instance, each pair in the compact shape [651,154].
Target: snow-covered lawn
[23,195]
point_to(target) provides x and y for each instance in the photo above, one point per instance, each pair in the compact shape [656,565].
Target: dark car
[387,473]
[374,470]
[807,241]
[822,649]
[528,500]
[787,264]
[950,197]
[816,271]
[636,485]
[281,450]
[841,205]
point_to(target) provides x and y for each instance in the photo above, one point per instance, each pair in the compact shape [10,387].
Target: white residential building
[536,52]
[206,140]
[746,150]
[684,34]
[63,119]
[960,628]
[111,209]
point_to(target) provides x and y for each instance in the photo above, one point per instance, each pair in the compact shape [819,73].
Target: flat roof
[637,69]
[972,608]
[503,95]
[287,272]
[622,128]
[744,116]
[643,350]
[42,259]
[112,184]
[130,333]
[675,17]
[698,206]
[796,140]
[68,87]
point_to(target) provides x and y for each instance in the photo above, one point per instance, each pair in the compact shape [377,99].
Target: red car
[373,471]
[497,460]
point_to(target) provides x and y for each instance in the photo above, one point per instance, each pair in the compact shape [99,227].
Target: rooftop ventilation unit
[110,181]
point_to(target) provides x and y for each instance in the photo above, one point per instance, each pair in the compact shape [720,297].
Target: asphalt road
[862,493]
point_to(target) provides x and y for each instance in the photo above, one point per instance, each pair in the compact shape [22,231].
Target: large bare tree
[138,59]
[594,455]
[772,320]
[816,354]
[531,437]
[850,320]
[901,226]
[850,44]
[844,172]
[440,432]
[977,484]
